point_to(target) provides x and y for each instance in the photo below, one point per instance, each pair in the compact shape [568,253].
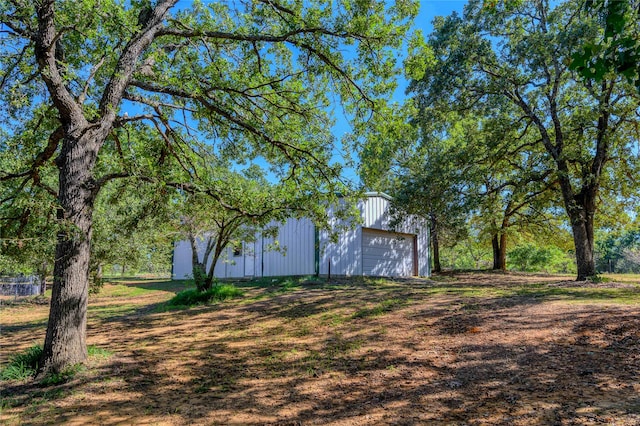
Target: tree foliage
[258,205]
[617,50]
[619,251]
[150,91]
[575,132]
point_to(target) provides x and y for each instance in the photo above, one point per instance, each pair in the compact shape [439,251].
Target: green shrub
[22,366]
[193,297]
[600,279]
[534,258]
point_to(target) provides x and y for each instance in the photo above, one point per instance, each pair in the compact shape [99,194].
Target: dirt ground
[461,349]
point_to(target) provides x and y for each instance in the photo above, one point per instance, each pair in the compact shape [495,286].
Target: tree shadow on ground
[306,357]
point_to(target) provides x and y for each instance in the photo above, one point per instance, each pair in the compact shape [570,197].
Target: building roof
[379,194]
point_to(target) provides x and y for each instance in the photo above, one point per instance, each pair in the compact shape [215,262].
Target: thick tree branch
[41,158]
[45,51]
[94,69]
[252,38]
[117,85]
[100,182]
[602,136]
[284,147]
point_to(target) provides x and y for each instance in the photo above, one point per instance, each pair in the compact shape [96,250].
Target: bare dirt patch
[464,349]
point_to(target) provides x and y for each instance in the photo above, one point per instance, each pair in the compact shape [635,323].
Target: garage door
[387,254]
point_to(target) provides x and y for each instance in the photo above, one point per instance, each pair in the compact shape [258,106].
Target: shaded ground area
[464,349]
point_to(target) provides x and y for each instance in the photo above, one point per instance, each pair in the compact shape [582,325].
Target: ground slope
[467,349]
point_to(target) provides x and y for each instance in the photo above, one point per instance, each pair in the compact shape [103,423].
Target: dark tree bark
[499,243]
[43,271]
[65,342]
[581,209]
[435,243]
[495,244]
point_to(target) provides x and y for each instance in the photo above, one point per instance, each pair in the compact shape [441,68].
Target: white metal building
[369,248]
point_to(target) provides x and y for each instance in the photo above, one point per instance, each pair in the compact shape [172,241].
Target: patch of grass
[193,297]
[358,281]
[302,330]
[98,352]
[600,279]
[380,309]
[140,287]
[371,281]
[119,290]
[289,285]
[285,283]
[623,278]
[110,311]
[22,366]
[465,291]
[63,376]
[442,278]
[6,403]
[333,318]
[339,346]
[584,294]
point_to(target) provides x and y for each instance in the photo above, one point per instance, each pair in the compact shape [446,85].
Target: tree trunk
[199,276]
[495,244]
[581,210]
[499,244]
[42,273]
[65,342]
[582,228]
[435,243]
[216,256]
[198,269]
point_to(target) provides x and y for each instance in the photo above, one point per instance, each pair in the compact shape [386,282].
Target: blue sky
[429,9]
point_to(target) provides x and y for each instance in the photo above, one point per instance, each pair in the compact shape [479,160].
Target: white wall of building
[228,265]
[345,257]
[293,251]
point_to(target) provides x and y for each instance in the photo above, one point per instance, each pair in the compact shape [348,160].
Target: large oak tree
[519,53]
[255,80]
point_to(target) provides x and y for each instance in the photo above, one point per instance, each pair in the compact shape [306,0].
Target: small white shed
[369,248]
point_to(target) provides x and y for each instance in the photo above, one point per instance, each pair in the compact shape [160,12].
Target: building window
[237,250]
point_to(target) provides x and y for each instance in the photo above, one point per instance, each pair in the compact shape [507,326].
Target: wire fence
[21,286]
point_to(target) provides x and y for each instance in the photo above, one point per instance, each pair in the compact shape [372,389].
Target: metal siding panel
[375,213]
[297,236]
[258,258]
[248,254]
[357,252]
[344,255]
[236,266]
[182,260]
